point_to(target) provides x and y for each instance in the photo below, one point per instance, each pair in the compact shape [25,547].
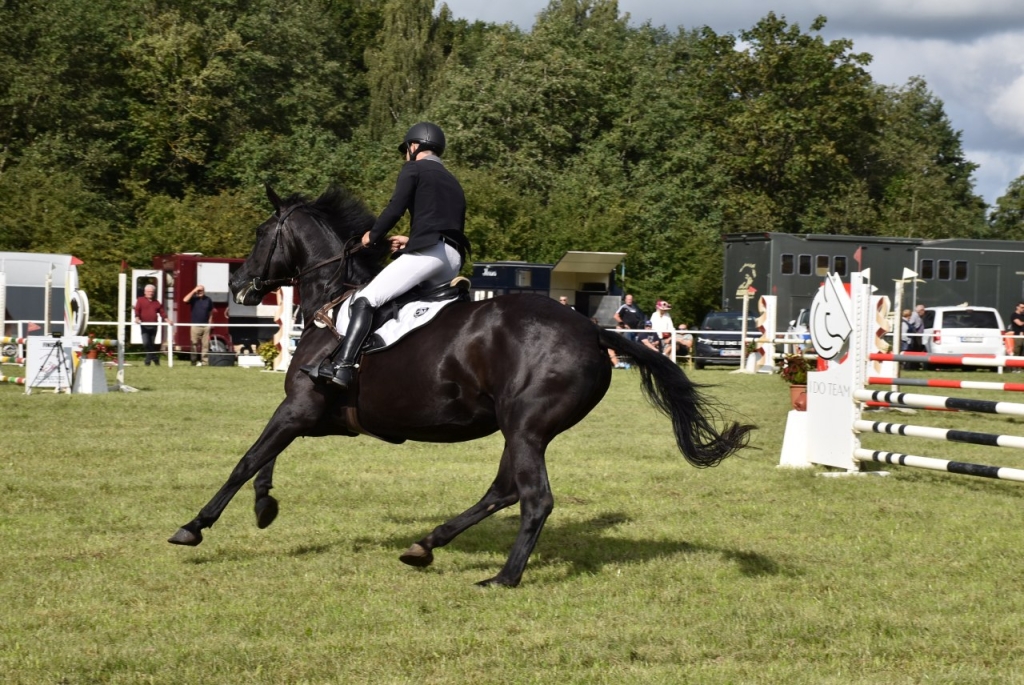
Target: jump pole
[947,383]
[985,360]
[3,300]
[958,467]
[122,303]
[47,289]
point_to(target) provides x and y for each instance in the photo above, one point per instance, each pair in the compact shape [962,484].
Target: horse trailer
[585,279]
[951,271]
[25,280]
[235,326]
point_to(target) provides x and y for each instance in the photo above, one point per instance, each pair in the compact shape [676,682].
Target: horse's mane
[340,209]
[345,214]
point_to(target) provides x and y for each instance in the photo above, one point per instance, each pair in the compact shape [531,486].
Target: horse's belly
[427,428]
[443,414]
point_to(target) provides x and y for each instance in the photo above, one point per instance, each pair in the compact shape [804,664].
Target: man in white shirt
[661,323]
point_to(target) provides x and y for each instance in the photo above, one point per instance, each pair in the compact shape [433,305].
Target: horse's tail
[692,414]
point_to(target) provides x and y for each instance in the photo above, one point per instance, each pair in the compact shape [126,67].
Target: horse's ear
[274,199]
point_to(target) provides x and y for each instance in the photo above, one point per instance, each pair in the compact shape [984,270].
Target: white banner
[48,363]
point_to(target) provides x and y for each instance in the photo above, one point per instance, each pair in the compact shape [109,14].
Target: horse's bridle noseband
[261,283]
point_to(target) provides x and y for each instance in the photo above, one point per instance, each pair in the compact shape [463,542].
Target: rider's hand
[366,239]
[399,242]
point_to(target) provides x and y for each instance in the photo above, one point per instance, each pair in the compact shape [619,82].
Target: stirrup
[344,376]
[321,372]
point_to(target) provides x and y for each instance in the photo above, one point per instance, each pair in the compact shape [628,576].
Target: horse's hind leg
[535,504]
[266,505]
[502,493]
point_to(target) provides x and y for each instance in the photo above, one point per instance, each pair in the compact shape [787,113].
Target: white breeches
[430,266]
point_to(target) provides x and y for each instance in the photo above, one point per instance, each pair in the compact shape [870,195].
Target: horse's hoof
[417,555]
[266,511]
[496,582]
[186,537]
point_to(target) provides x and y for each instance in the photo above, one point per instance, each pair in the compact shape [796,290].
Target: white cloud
[996,171]
[1007,110]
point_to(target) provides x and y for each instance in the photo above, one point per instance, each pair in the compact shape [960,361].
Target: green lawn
[649,571]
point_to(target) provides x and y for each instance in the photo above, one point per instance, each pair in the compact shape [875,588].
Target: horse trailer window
[943,269]
[788,265]
[804,265]
[960,270]
[821,265]
[839,265]
[927,269]
[523,278]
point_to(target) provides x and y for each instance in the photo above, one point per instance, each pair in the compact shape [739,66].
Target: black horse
[521,364]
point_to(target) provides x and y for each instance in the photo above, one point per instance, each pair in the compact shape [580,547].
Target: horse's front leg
[288,422]
[266,505]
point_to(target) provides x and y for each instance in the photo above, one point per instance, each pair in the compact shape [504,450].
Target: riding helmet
[428,135]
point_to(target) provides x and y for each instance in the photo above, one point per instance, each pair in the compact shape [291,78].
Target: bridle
[262,283]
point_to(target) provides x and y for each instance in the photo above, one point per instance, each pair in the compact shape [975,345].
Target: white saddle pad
[410,317]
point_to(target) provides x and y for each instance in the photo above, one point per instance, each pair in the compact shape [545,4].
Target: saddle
[455,291]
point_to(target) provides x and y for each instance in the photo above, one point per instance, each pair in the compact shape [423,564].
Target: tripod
[55,359]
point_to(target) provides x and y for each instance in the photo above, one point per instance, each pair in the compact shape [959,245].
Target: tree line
[130,128]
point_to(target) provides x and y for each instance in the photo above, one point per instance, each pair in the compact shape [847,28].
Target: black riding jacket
[436,205]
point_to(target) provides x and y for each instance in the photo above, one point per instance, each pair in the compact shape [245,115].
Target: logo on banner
[830,319]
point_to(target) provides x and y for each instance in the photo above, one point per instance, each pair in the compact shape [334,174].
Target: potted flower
[794,372]
[96,349]
[268,353]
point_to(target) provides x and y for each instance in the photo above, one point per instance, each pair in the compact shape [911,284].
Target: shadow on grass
[236,554]
[584,545]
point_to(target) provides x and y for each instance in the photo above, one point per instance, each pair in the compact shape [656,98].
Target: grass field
[649,571]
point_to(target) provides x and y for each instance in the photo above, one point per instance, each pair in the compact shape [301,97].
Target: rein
[259,284]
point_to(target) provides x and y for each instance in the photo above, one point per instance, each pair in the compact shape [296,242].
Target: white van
[963,330]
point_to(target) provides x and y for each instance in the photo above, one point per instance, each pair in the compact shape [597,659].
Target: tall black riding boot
[343,373]
[323,371]
[360,320]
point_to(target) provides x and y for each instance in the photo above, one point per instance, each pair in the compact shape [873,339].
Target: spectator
[1017,329]
[622,362]
[684,341]
[611,353]
[649,338]
[148,314]
[905,331]
[565,300]
[917,327]
[202,317]
[630,315]
[661,321]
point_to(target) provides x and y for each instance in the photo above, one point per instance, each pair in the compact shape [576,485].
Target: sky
[969,52]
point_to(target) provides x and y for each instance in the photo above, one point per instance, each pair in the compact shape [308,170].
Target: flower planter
[798,397]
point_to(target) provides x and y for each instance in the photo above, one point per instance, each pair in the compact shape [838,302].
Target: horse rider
[431,255]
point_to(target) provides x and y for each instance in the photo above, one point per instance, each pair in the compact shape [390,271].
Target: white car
[963,330]
[800,328]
